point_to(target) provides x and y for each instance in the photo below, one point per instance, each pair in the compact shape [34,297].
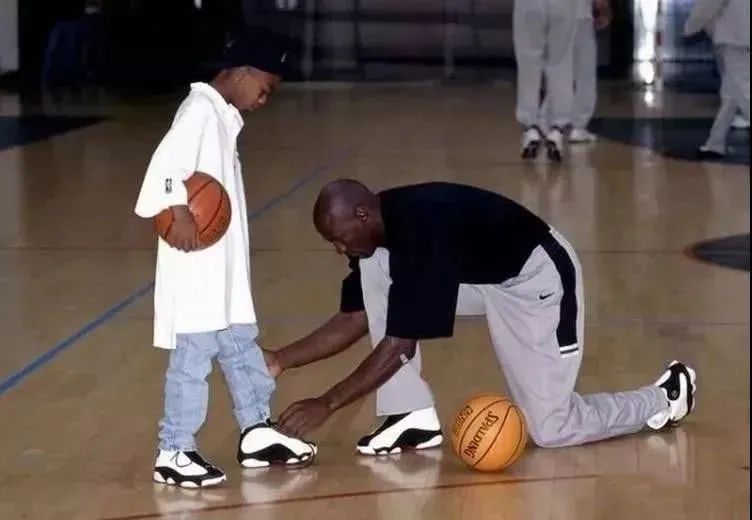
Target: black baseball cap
[259,48]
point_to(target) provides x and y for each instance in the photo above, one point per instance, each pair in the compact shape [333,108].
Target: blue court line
[15,378]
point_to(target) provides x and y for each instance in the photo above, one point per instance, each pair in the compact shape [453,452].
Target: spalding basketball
[489,433]
[209,204]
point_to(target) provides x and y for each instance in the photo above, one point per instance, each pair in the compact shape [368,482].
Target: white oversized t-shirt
[210,289]
[584,9]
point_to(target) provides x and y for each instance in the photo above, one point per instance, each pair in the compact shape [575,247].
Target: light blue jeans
[187,392]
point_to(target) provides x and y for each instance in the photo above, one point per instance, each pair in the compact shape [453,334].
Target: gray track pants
[536,324]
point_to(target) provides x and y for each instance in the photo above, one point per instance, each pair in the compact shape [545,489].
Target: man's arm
[381,364]
[376,369]
[602,13]
[336,335]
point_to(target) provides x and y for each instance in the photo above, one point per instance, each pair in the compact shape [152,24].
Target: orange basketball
[489,433]
[209,204]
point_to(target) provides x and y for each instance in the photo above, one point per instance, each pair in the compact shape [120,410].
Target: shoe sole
[169,481]
[433,442]
[293,462]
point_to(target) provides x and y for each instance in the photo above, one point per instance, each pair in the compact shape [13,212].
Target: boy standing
[202,299]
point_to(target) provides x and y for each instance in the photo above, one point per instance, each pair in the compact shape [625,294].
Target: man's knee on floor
[549,432]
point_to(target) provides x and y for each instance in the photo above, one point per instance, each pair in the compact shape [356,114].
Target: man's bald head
[340,199]
[348,214]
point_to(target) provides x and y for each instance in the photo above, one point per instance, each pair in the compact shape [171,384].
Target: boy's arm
[174,161]
[337,334]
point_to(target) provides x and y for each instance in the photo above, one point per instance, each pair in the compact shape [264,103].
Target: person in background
[592,15]
[543,34]
[727,24]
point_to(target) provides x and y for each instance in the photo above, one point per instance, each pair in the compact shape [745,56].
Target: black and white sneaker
[263,445]
[186,469]
[416,430]
[678,382]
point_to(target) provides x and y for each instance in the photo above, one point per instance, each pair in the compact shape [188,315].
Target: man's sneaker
[555,144]
[408,431]
[186,469]
[263,445]
[678,382]
[531,142]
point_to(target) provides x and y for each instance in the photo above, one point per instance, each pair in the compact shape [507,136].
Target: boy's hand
[184,233]
[272,363]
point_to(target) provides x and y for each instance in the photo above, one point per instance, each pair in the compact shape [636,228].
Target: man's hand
[272,363]
[603,14]
[183,234]
[304,416]
[382,363]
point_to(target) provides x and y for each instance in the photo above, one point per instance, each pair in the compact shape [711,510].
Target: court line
[353,494]
[120,249]
[307,319]
[14,379]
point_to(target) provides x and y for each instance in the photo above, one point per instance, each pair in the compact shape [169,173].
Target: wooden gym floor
[81,387]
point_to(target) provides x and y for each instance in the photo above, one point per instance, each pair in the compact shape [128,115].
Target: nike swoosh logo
[545,296]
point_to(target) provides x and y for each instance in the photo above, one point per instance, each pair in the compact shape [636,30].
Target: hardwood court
[78,429]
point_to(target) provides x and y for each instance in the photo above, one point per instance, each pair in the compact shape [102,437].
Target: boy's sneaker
[186,469]
[408,431]
[678,382]
[263,445]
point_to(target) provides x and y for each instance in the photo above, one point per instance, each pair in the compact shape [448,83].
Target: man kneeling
[421,255]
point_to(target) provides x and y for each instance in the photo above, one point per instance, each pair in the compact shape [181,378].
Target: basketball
[489,433]
[209,204]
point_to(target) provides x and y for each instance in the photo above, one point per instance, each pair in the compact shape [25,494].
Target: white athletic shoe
[678,382]
[740,122]
[415,430]
[263,445]
[580,135]
[186,469]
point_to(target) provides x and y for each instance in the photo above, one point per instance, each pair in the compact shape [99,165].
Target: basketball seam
[498,432]
[200,188]
[462,439]
[216,211]
[514,455]
[195,194]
